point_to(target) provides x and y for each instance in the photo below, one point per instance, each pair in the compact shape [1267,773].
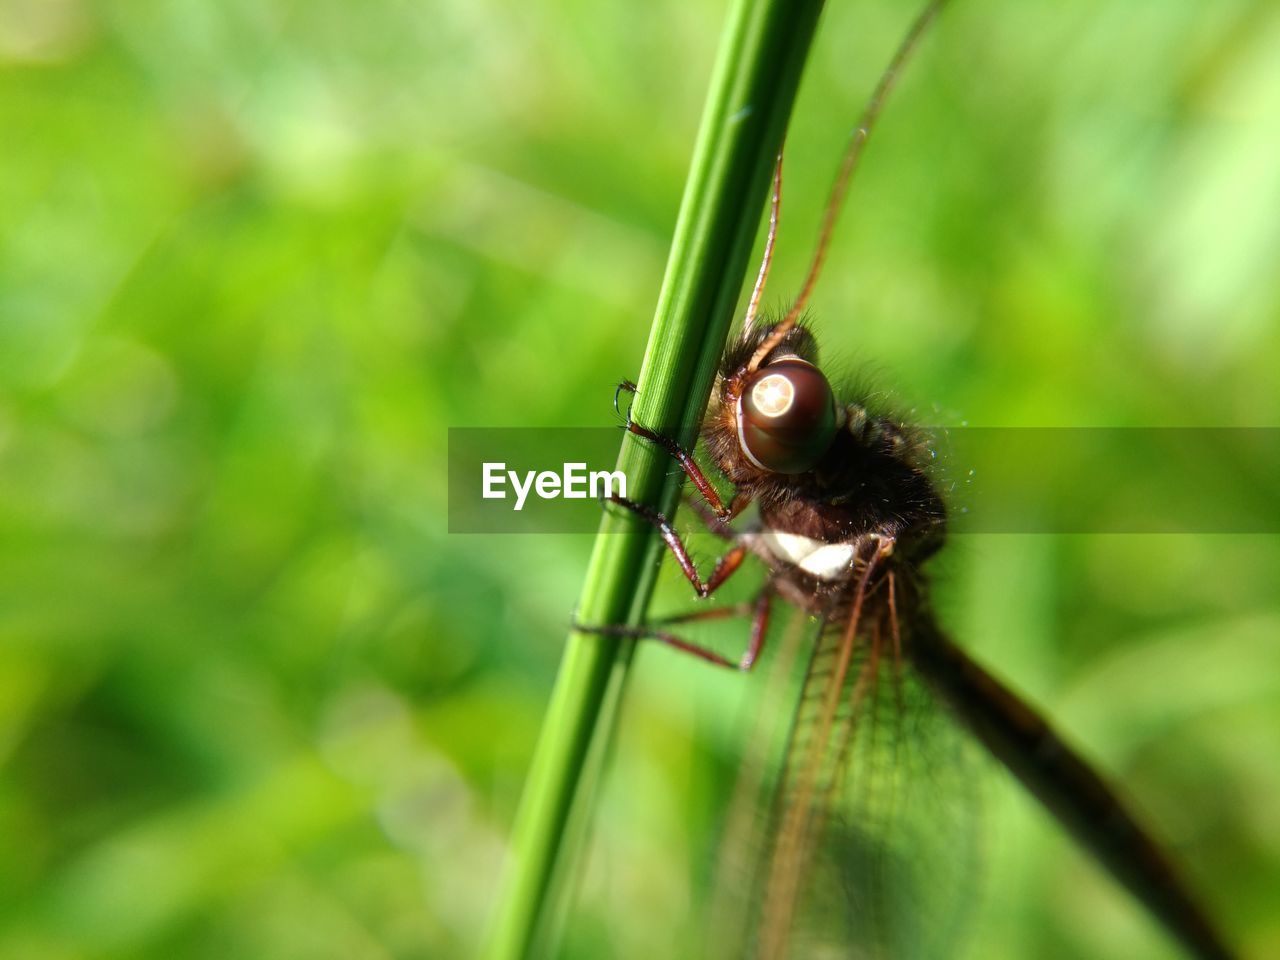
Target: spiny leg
[759,611]
[682,457]
[725,567]
[712,521]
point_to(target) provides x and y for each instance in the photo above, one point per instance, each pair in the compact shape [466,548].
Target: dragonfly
[848,518]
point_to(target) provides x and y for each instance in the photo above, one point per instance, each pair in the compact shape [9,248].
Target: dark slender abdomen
[1062,781]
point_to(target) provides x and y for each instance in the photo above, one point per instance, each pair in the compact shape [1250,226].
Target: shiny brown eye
[786,416]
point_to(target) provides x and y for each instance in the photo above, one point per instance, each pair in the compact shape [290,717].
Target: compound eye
[786,416]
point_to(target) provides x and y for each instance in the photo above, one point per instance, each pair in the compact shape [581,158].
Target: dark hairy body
[848,517]
[845,541]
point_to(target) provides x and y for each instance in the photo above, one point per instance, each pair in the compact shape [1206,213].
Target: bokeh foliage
[256,257]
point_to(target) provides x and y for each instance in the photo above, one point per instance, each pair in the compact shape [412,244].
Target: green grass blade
[752,90]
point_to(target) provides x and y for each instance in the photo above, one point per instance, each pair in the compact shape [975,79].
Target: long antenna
[775,205]
[852,155]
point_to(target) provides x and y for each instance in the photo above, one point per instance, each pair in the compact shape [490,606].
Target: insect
[848,518]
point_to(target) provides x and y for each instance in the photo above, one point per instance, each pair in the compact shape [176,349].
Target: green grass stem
[753,87]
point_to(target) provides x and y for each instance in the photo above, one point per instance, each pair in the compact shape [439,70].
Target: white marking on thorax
[826,561]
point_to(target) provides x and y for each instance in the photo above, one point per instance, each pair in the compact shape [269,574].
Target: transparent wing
[870,843]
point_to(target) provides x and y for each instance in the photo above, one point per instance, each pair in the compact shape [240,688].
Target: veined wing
[873,842]
[873,830]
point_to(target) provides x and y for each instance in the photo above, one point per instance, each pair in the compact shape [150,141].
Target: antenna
[775,204]
[852,156]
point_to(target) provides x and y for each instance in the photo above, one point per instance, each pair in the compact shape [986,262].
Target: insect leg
[712,521]
[759,611]
[725,567]
[681,456]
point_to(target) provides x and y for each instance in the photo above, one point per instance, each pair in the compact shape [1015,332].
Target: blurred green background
[256,257]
